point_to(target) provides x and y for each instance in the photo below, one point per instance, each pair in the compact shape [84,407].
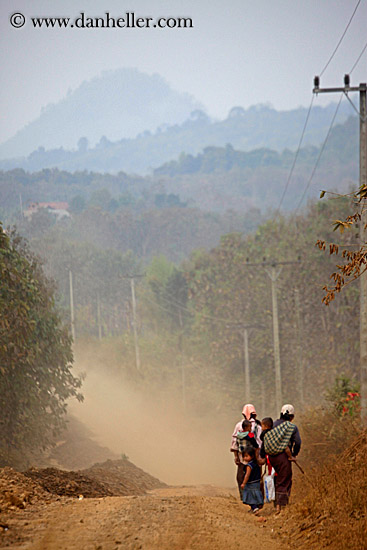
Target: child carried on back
[244,439]
[276,440]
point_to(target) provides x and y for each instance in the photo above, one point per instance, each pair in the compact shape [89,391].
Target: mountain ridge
[257,127]
[94,110]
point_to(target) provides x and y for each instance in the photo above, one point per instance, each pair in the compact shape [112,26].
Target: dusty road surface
[201,518]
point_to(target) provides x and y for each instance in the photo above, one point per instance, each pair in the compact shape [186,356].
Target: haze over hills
[257,127]
[216,180]
[131,121]
[117,104]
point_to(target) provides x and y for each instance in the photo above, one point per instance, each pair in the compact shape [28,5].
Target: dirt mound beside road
[123,477]
[60,482]
[110,478]
[18,490]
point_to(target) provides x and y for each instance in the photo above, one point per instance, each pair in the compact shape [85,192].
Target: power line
[341,38]
[358,59]
[320,155]
[309,112]
[295,157]
[330,128]
[184,308]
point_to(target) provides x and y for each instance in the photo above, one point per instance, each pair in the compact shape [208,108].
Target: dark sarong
[283,479]
[240,477]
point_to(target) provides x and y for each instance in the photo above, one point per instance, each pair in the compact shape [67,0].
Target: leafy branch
[356,261]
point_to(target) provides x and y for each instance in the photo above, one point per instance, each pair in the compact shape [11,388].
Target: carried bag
[277,439]
[269,488]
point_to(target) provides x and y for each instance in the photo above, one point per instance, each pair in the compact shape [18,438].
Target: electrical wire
[295,157]
[341,38]
[330,128]
[358,59]
[184,308]
[320,154]
[308,116]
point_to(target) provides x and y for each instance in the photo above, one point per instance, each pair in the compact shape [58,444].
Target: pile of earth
[75,449]
[18,490]
[70,484]
[110,478]
[76,466]
[123,477]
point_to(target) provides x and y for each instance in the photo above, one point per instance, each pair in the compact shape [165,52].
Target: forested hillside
[218,179]
[257,127]
[115,105]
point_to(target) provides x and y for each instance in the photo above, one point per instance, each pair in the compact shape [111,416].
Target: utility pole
[273,274]
[246,361]
[135,325]
[247,365]
[21,205]
[135,328]
[183,374]
[72,318]
[363,239]
[362,88]
[299,348]
[99,317]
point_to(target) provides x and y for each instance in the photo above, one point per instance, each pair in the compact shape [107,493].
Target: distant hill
[216,180]
[246,130]
[342,147]
[117,104]
[223,178]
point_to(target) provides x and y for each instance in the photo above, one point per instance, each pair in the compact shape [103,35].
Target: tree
[83,145]
[35,356]
[77,204]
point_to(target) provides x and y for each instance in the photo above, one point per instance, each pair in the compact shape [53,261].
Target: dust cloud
[156,436]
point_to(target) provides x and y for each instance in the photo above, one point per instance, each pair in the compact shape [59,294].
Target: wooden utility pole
[245,329]
[135,328]
[363,239]
[247,365]
[99,317]
[362,88]
[273,274]
[21,205]
[72,318]
[299,348]
[183,374]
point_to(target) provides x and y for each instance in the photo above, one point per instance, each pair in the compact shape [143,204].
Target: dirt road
[172,518]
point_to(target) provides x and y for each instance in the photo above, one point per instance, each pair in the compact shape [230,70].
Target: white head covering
[287,409]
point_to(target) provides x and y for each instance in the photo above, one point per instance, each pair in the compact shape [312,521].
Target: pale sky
[239,52]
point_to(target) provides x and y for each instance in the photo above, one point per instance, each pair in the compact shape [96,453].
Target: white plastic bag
[269,487]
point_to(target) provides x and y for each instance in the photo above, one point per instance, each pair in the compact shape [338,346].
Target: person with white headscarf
[248,413]
[281,463]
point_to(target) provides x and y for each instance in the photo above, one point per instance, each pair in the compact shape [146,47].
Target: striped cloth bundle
[277,440]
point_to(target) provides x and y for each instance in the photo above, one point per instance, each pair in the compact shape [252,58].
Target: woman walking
[248,413]
[281,462]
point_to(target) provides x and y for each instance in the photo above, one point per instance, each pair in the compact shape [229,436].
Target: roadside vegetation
[35,356]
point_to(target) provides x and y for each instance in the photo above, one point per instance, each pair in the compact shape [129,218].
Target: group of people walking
[275,444]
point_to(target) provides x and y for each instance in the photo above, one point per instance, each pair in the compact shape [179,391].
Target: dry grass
[333,511]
